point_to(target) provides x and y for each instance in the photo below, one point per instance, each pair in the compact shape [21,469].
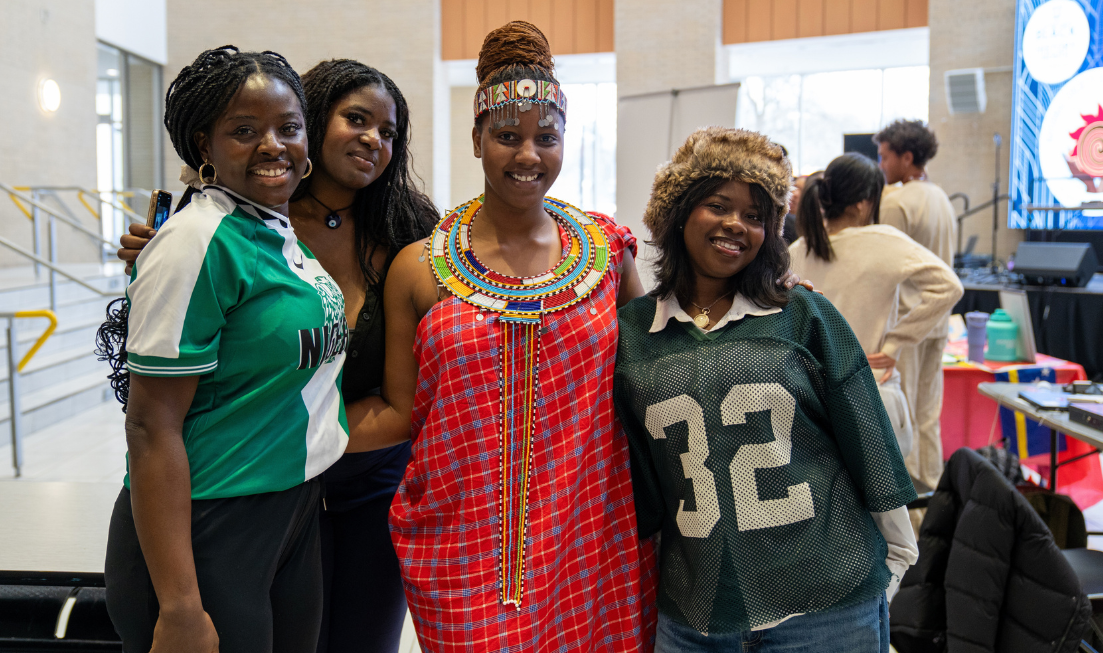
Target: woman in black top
[355,212]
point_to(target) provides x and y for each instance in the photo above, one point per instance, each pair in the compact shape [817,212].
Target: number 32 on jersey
[751,512]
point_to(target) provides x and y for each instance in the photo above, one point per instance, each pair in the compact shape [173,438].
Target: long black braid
[390,212]
[194,100]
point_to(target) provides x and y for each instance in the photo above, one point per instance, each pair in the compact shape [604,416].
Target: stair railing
[53,216]
[97,195]
[14,370]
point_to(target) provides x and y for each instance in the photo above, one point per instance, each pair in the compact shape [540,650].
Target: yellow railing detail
[19,204]
[120,204]
[49,315]
[94,212]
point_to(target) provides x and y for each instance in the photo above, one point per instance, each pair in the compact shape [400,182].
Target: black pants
[258,562]
[365,605]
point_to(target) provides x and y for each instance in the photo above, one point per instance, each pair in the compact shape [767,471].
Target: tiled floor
[90,447]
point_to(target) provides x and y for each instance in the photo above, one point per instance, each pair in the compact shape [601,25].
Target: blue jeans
[861,628]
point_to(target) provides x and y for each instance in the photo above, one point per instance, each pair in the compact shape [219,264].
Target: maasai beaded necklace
[521,303]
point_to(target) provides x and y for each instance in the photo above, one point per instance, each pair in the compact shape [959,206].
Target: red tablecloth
[969,419]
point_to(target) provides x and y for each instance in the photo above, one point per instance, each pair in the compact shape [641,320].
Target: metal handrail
[14,370]
[66,219]
[52,217]
[30,216]
[41,261]
[46,313]
[129,212]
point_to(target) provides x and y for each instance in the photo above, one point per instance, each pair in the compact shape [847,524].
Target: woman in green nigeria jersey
[355,212]
[760,446]
[235,340]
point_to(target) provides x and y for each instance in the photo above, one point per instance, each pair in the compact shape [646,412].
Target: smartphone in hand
[160,207]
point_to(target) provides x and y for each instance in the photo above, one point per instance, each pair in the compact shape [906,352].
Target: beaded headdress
[505,100]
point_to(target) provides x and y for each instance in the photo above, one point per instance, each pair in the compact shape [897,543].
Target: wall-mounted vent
[965,90]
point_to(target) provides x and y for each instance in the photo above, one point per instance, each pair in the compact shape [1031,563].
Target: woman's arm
[377,422]
[160,496]
[939,289]
[630,285]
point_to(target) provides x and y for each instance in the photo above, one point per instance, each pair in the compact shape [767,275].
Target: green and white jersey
[226,292]
[759,450]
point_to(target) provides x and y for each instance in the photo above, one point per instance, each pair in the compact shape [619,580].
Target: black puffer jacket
[989,576]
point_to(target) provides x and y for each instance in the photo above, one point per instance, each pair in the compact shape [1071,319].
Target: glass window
[128,134]
[588,178]
[809,114]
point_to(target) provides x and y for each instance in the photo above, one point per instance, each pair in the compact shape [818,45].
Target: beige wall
[42,39]
[402,39]
[662,44]
[467,171]
[976,34]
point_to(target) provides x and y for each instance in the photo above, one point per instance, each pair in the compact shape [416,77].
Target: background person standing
[922,211]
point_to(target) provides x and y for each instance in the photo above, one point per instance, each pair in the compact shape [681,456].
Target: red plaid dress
[582,569]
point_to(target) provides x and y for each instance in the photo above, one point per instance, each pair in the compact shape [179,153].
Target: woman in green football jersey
[357,209]
[760,447]
[234,343]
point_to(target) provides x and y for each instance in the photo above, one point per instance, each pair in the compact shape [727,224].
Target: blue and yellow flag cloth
[1025,436]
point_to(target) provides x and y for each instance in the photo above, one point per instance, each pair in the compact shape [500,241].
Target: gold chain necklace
[702,319]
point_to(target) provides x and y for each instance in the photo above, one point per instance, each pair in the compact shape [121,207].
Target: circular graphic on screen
[1056,41]
[1070,145]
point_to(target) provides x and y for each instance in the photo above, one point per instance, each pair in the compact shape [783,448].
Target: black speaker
[860,143]
[1064,264]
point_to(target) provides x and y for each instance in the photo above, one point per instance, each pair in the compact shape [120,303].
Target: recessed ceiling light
[49,95]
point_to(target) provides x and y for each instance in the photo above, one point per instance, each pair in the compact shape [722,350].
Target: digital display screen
[1057,115]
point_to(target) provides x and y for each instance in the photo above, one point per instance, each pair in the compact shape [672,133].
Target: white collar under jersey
[668,308]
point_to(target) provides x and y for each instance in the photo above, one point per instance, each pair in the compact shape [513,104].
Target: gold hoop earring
[214,173]
[309,168]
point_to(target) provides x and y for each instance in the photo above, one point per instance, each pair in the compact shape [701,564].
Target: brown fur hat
[720,152]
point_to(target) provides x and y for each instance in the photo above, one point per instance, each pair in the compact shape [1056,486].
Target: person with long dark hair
[863,267]
[760,448]
[231,416]
[357,210]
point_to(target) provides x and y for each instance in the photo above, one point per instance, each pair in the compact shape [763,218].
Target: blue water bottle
[975,323]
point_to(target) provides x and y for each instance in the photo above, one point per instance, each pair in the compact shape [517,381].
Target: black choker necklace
[333,220]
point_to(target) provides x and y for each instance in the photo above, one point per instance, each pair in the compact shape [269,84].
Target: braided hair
[194,100]
[517,50]
[390,212]
[203,90]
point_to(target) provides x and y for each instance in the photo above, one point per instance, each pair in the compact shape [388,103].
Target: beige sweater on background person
[864,279]
[922,210]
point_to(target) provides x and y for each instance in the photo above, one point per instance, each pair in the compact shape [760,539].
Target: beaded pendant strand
[521,303]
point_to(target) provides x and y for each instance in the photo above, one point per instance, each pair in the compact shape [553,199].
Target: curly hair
[391,212]
[910,136]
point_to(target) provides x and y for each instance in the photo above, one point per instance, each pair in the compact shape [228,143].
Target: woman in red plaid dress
[514,526]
